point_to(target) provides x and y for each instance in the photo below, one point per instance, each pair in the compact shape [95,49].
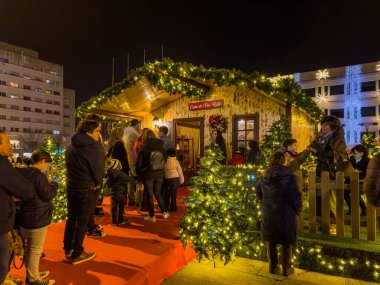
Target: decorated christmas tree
[57,169]
[273,140]
[221,209]
[370,142]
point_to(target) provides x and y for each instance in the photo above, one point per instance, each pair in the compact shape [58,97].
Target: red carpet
[136,253]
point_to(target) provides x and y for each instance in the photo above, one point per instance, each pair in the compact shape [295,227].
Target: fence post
[325,191]
[371,222]
[339,189]
[312,203]
[298,175]
[355,209]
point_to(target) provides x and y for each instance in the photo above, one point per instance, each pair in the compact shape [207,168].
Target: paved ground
[249,272]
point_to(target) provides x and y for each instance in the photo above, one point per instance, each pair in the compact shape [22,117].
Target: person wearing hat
[117,180]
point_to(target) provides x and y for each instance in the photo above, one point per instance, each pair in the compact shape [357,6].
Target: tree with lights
[370,142]
[221,209]
[277,134]
[58,169]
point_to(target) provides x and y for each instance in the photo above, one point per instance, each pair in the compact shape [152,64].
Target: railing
[339,187]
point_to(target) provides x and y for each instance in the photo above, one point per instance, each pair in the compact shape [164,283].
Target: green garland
[178,78]
[370,142]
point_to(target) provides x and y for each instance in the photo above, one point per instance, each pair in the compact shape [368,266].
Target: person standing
[359,161]
[163,135]
[116,148]
[253,155]
[150,169]
[94,230]
[35,215]
[281,204]
[130,137]
[371,184]
[12,185]
[85,172]
[173,177]
[217,138]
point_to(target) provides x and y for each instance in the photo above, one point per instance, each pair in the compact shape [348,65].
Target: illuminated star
[321,98]
[377,67]
[322,74]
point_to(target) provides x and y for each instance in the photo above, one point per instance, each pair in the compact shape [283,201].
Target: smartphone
[56,179]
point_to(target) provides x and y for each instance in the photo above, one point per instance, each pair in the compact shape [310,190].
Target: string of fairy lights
[178,78]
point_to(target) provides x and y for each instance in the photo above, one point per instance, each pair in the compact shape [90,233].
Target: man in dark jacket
[12,186]
[281,204]
[150,170]
[85,173]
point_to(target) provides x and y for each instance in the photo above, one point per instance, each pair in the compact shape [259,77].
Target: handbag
[16,247]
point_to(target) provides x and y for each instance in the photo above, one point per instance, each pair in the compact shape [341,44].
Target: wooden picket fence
[326,185]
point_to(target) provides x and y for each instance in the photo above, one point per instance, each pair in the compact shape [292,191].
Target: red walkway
[137,253]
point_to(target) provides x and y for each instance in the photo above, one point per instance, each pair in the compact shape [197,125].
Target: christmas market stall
[193,100]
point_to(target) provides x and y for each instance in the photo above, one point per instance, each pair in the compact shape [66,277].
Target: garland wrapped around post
[221,209]
[57,169]
[370,142]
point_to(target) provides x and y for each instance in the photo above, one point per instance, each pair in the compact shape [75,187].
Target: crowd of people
[139,166]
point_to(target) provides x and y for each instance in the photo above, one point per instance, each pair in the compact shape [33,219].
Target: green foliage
[179,78]
[273,139]
[221,209]
[370,142]
[326,254]
[57,169]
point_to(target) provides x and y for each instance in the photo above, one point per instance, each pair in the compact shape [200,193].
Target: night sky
[268,36]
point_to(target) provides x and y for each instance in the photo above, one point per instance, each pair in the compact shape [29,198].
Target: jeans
[154,187]
[80,206]
[35,239]
[117,207]
[91,227]
[170,193]
[4,256]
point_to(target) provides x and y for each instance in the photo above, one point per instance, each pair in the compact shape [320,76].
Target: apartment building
[352,93]
[33,101]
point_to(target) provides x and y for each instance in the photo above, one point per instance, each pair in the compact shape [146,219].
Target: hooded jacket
[84,163]
[37,212]
[11,183]
[117,181]
[281,204]
[143,157]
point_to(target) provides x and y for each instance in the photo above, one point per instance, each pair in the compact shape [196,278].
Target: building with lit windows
[351,93]
[33,101]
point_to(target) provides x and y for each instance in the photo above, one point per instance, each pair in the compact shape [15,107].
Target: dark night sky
[265,35]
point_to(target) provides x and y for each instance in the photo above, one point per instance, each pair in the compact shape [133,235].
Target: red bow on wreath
[218,122]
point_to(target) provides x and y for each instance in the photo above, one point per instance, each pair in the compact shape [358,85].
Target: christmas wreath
[217,122]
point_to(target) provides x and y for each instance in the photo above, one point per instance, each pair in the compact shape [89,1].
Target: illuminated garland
[176,78]
[370,142]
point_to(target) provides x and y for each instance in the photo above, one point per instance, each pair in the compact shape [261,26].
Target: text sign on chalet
[206,105]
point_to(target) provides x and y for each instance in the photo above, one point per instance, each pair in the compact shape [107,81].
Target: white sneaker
[150,219]
[166,215]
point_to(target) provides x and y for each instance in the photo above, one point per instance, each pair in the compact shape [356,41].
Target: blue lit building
[351,93]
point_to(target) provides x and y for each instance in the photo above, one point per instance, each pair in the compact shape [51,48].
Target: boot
[287,268]
[272,258]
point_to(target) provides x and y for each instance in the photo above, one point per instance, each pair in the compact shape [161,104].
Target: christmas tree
[221,209]
[277,134]
[57,169]
[370,142]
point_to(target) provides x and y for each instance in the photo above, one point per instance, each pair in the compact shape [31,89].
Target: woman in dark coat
[281,204]
[218,139]
[253,155]
[116,148]
[359,161]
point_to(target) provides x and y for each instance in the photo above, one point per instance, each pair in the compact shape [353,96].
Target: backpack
[16,247]
[156,160]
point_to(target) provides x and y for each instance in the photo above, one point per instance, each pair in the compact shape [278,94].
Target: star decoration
[322,74]
[321,98]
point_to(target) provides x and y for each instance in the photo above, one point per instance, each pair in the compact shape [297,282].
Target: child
[117,181]
[35,215]
[173,177]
